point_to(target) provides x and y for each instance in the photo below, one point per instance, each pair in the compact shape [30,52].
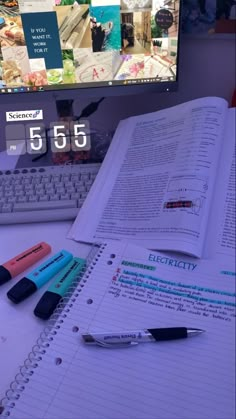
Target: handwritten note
[175,296]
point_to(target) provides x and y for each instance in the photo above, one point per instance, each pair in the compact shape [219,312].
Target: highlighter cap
[47,305]
[23,289]
[4,275]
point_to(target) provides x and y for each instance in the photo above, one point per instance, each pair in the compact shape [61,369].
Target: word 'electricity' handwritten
[172,262]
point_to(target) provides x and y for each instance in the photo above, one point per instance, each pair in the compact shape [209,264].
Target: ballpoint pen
[132,338]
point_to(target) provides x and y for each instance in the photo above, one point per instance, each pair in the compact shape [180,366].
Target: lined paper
[187,379]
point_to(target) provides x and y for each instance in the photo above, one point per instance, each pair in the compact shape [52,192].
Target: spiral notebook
[127,288]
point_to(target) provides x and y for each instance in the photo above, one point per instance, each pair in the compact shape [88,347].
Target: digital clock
[34,139]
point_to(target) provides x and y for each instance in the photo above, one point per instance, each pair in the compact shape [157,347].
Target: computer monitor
[48,45]
[61,51]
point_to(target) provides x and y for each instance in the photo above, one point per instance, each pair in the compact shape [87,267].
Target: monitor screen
[50,45]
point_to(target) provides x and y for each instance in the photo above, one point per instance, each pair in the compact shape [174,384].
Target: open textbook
[128,288]
[167,182]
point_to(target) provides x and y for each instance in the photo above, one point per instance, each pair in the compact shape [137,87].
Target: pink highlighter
[23,261]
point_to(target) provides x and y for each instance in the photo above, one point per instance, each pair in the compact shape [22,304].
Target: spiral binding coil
[43,342]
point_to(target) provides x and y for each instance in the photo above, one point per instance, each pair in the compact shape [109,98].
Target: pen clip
[116,345]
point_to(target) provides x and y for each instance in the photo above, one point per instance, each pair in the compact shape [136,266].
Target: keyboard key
[75,195]
[8,188]
[17,181]
[70,189]
[54,197]
[56,178]
[60,190]
[26,181]
[80,183]
[44,198]
[49,187]
[29,189]
[85,176]
[49,205]
[39,192]
[45,179]
[65,178]
[80,202]
[36,180]
[89,182]
[7,208]
[59,184]
[33,198]
[19,193]
[65,196]
[22,198]
[28,193]
[12,200]
[75,178]
[39,186]
[80,189]
[67,184]
[8,194]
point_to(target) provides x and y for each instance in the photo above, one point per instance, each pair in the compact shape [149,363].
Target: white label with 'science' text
[32,115]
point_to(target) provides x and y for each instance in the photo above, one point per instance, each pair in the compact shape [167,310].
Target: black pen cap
[47,305]
[23,289]
[4,275]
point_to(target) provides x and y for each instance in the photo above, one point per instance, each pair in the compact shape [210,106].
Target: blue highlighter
[59,288]
[39,276]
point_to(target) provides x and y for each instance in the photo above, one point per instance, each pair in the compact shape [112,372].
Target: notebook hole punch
[90,301]
[75,329]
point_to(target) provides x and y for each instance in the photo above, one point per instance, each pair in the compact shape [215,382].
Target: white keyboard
[44,193]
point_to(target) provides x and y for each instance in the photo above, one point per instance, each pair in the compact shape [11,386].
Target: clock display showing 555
[61,137]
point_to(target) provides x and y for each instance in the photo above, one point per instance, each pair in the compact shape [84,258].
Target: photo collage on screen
[84,42]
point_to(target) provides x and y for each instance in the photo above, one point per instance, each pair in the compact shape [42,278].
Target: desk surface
[19,328]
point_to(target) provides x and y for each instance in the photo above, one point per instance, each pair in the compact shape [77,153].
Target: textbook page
[221,240]
[128,289]
[157,180]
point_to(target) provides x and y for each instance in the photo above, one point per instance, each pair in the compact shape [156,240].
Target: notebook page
[133,288]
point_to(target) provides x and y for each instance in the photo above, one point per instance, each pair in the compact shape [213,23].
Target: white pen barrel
[119,337]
